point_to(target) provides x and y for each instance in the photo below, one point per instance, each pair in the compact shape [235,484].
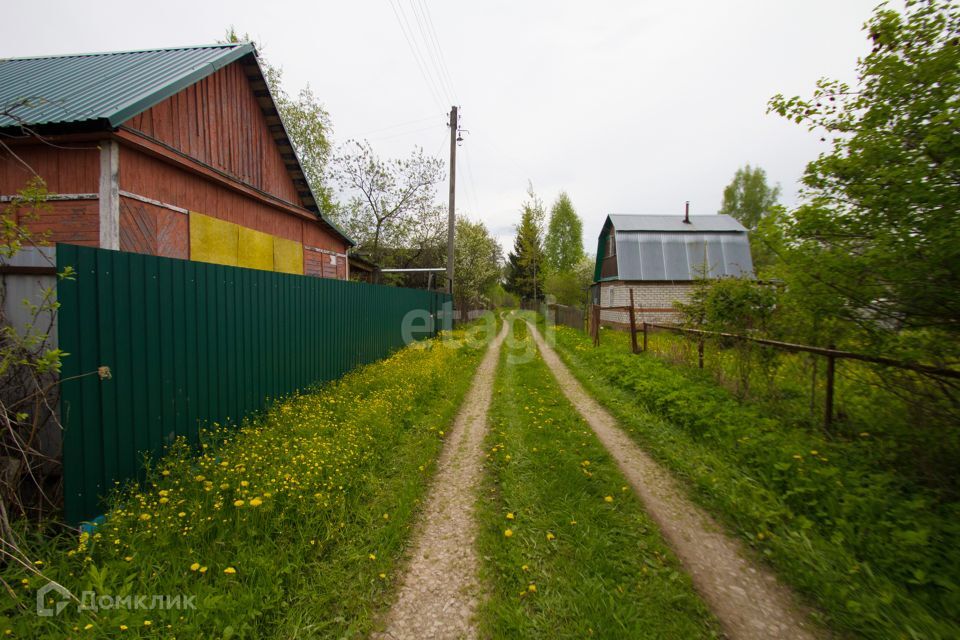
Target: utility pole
[451,216]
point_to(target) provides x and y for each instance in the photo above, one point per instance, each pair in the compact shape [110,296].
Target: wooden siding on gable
[219,122]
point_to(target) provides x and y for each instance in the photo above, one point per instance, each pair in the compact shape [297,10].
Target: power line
[397,11]
[432,46]
[403,133]
[436,41]
[470,182]
[402,124]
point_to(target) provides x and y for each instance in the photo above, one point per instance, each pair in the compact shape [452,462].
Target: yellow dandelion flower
[194,566]
[203,569]
[123,627]
[256,502]
[525,568]
[372,556]
[550,536]
[229,571]
[244,483]
[128,558]
[147,623]
[508,533]
[145,516]
[509,516]
[608,499]
[87,627]
[238,503]
[532,588]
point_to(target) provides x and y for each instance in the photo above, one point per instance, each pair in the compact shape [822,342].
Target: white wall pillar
[109,195]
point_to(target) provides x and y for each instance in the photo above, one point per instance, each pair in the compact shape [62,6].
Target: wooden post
[700,352]
[596,325]
[828,410]
[644,336]
[633,325]
[556,315]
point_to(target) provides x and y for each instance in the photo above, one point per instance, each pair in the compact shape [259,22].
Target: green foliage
[879,227]
[732,305]
[526,264]
[563,246]
[605,571]
[297,521]
[877,552]
[29,364]
[569,287]
[477,264]
[748,198]
[499,297]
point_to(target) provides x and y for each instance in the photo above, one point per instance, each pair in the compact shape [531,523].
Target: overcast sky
[631,107]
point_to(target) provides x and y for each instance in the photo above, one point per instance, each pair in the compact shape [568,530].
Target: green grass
[329,481]
[878,554]
[606,573]
[910,417]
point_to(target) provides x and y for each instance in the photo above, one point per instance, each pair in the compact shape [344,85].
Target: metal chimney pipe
[686,216]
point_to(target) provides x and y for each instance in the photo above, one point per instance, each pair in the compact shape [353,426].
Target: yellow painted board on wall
[256,249]
[287,256]
[213,240]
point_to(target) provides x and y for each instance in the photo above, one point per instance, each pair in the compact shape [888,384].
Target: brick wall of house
[653,301]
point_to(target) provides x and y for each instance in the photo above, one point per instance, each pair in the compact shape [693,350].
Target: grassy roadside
[291,526]
[562,560]
[876,554]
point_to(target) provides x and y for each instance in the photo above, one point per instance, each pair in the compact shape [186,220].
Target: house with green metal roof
[174,152]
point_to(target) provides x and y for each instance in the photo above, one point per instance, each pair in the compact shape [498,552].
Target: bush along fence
[831,354]
[177,345]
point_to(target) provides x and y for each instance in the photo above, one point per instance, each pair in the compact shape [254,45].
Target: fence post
[700,351]
[633,325]
[644,336]
[828,411]
[556,314]
[596,325]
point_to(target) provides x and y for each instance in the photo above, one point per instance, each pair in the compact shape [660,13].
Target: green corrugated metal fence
[189,343]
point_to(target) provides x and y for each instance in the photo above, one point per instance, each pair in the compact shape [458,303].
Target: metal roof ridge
[91,54]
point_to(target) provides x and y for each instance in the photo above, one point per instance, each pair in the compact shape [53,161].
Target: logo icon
[56,608]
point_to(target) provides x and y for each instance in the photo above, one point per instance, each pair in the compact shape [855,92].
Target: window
[611,243]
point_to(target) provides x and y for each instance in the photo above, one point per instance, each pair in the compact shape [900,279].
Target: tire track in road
[747,598]
[440,589]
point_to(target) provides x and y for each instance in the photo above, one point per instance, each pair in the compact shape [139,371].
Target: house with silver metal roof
[659,258]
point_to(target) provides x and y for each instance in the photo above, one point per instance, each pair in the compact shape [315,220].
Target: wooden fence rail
[830,353]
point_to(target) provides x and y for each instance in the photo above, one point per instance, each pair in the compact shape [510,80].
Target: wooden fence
[831,354]
[159,347]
